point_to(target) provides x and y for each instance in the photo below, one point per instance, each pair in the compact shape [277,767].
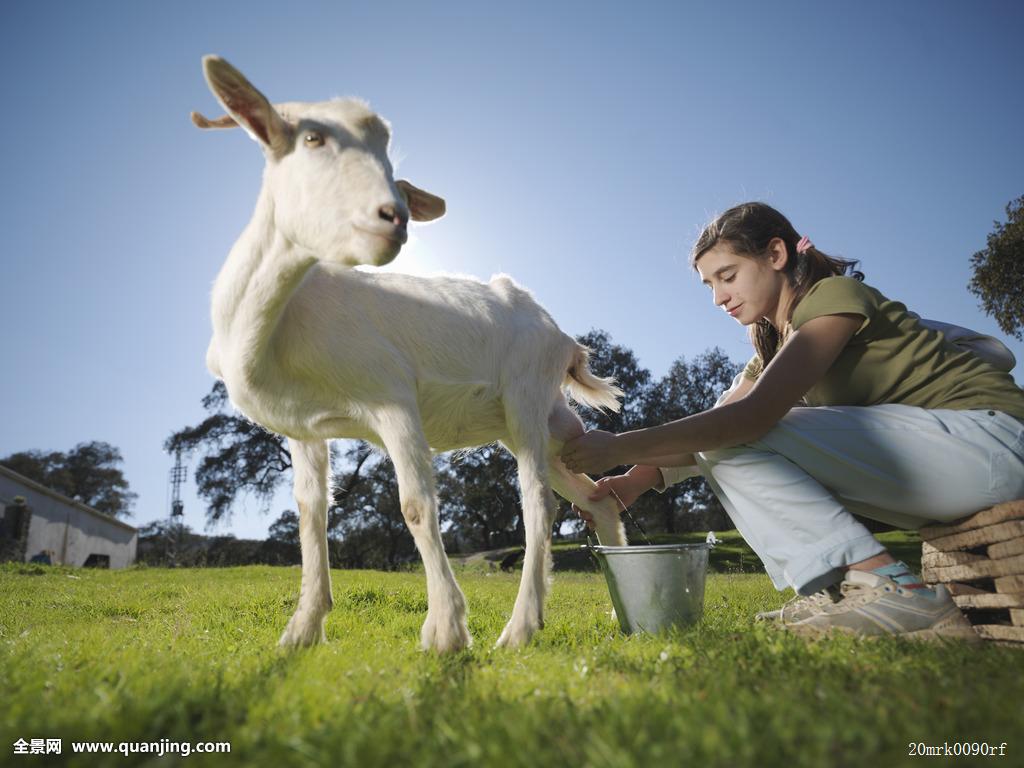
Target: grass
[189,655]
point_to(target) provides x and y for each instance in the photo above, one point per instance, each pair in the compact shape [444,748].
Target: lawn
[147,654]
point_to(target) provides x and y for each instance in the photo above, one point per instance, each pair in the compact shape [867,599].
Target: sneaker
[874,605]
[802,606]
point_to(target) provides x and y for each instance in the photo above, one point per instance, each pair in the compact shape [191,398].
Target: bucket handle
[589,546]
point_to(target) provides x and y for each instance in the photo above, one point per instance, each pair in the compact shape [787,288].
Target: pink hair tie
[804,245]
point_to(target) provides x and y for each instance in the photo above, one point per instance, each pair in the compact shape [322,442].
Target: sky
[580,146]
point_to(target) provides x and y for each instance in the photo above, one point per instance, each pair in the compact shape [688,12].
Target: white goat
[314,350]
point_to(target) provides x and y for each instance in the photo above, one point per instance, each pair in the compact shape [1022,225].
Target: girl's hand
[628,488]
[593,451]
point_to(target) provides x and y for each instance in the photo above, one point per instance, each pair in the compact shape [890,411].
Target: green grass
[190,655]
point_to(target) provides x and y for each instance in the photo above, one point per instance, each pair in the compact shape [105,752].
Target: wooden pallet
[980,559]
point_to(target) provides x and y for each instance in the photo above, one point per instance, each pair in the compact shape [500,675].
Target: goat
[314,350]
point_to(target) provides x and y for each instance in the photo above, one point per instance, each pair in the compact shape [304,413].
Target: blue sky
[580,147]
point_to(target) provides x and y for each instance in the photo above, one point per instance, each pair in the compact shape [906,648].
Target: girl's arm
[678,460]
[687,459]
[641,477]
[801,362]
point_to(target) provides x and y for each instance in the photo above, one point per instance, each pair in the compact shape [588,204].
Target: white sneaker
[802,606]
[875,605]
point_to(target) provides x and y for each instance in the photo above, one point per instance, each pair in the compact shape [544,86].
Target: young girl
[897,424]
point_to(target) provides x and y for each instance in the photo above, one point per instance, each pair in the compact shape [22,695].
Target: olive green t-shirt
[893,359]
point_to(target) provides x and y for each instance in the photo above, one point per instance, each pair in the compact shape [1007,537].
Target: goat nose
[394,215]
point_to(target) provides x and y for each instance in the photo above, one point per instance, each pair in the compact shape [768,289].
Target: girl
[897,424]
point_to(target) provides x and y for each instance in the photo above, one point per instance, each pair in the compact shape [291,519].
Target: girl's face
[747,288]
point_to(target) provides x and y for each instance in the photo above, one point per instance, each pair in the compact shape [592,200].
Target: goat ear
[245,105]
[201,121]
[423,206]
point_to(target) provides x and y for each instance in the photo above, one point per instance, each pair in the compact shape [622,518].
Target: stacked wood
[980,559]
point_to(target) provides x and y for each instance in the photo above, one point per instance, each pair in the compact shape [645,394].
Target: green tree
[479,497]
[285,529]
[365,520]
[238,456]
[999,272]
[610,359]
[167,543]
[687,388]
[89,473]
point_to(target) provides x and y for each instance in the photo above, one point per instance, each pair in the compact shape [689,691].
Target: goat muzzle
[393,215]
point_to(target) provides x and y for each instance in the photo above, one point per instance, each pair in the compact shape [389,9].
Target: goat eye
[313,139]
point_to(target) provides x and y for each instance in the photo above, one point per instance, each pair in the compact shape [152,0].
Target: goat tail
[588,389]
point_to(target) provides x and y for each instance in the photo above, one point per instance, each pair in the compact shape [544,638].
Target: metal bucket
[655,587]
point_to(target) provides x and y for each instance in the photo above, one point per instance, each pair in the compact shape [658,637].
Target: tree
[281,546]
[686,389]
[480,499]
[167,543]
[609,359]
[999,272]
[88,473]
[365,518]
[285,529]
[239,456]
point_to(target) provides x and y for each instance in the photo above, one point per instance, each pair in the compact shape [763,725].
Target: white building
[69,531]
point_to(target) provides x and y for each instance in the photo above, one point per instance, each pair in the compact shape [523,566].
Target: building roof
[64,499]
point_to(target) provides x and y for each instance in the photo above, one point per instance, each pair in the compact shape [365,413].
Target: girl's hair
[748,228]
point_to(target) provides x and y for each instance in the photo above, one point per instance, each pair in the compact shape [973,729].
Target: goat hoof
[517,633]
[445,634]
[302,632]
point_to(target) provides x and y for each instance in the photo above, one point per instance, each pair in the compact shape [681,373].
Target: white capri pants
[791,493]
